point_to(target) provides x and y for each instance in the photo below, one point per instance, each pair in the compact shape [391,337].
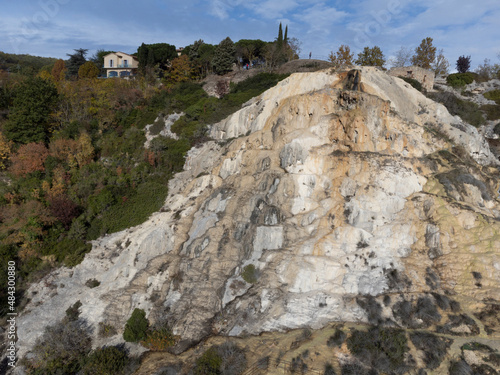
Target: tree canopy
[224,56]
[425,54]
[371,57]
[76,60]
[342,57]
[157,53]
[28,120]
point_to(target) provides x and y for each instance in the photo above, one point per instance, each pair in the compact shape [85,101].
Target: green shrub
[382,348]
[68,251]
[73,313]
[416,84]
[209,363]
[149,197]
[337,339]
[92,283]
[492,112]
[249,274]
[225,359]
[460,79]
[105,361]
[329,369]
[434,347]
[493,95]
[136,327]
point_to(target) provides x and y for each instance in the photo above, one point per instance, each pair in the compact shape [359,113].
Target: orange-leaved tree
[28,159]
[342,57]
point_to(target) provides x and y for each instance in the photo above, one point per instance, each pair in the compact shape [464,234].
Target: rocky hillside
[332,197]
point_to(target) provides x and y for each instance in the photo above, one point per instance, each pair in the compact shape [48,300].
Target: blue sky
[56,27]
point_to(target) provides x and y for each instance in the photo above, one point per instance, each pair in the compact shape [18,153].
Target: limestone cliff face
[333,196]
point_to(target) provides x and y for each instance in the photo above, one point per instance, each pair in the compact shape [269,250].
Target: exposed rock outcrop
[338,191]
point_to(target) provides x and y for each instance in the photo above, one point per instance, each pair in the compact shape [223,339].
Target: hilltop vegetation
[74,162]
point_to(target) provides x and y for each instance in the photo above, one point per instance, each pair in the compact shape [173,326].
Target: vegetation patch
[92,283]
[460,79]
[250,274]
[413,82]
[493,95]
[461,325]
[381,348]
[433,347]
[337,339]
[106,361]
[136,327]
[225,359]
[492,112]
[490,316]
[467,111]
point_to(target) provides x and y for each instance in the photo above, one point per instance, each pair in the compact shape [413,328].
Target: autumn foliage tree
[425,54]
[28,159]
[88,70]
[180,70]
[342,57]
[59,70]
[5,151]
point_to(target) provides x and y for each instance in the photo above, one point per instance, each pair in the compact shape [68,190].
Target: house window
[110,63]
[125,63]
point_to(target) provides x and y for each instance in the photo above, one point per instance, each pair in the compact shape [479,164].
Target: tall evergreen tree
[224,56]
[463,64]
[280,37]
[142,56]
[285,38]
[76,60]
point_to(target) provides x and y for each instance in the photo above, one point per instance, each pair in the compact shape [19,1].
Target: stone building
[424,76]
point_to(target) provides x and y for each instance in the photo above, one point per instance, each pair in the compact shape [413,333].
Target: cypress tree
[280,38]
[285,39]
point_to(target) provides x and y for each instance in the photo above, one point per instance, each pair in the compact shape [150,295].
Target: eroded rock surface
[343,197]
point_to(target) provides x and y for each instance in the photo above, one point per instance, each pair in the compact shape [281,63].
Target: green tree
[159,54]
[136,327]
[76,60]
[371,57]
[224,56]
[425,54]
[342,57]
[33,102]
[88,70]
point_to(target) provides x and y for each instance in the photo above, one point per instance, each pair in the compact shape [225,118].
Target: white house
[119,64]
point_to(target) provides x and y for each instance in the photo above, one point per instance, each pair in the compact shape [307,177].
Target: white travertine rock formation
[337,186]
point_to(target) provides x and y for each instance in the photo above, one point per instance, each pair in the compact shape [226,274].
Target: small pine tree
[463,64]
